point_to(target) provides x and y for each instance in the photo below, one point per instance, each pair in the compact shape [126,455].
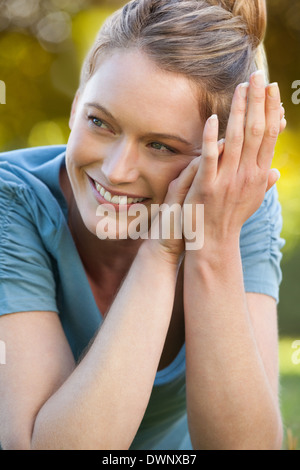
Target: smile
[115,199]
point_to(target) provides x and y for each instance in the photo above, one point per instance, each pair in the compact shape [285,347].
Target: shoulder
[27,178]
[32,157]
[28,167]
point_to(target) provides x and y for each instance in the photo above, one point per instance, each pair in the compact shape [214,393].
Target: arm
[232,375]
[232,357]
[47,403]
[101,405]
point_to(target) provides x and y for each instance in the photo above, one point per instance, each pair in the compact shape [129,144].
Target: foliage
[289,393]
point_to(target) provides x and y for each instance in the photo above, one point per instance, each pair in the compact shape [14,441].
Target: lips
[117,199]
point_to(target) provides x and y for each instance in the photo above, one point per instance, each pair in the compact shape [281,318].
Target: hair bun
[253,12]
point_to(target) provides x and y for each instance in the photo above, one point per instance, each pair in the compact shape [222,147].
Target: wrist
[156,252]
[217,251]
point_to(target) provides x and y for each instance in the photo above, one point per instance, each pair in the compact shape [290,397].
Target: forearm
[103,402]
[229,398]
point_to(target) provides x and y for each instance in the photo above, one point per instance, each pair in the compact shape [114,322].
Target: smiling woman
[139,342]
[137,138]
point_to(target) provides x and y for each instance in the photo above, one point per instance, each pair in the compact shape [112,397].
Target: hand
[172,247]
[233,186]
[283,122]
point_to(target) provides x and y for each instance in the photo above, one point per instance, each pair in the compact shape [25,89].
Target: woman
[132,342]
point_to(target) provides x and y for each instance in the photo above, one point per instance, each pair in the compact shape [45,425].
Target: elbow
[277,442]
[15,443]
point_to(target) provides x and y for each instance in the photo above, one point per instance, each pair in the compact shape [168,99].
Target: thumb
[179,187]
[274,176]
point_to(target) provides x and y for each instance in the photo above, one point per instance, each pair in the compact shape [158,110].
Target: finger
[283,122]
[255,121]
[221,146]
[272,128]
[208,166]
[234,139]
[274,176]
[179,187]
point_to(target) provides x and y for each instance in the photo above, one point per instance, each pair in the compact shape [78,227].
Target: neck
[102,259]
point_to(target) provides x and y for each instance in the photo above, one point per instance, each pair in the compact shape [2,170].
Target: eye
[161,148]
[98,123]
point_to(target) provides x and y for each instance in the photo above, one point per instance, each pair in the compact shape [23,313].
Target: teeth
[107,196]
[121,200]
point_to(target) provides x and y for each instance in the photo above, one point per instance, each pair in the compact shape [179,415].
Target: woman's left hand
[233,186]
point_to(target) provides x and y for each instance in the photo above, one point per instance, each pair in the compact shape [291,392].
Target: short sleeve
[260,245]
[26,270]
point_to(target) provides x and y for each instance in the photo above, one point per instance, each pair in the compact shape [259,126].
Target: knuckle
[272,132]
[274,106]
[248,182]
[206,191]
[258,98]
[210,139]
[257,129]
[252,179]
[239,110]
[236,139]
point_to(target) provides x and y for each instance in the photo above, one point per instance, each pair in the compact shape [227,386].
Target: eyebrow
[151,134]
[169,137]
[102,109]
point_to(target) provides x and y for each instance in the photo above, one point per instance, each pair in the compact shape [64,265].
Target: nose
[121,163]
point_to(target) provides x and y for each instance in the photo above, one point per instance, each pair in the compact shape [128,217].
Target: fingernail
[221,142]
[273,90]
[244,89]
[213,120]
[259,78]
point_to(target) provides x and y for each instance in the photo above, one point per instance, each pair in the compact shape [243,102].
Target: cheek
[77,143]
[169,173]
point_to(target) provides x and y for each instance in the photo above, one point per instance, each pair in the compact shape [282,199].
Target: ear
[74,109]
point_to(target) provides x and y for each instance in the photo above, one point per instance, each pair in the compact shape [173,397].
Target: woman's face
[134,128]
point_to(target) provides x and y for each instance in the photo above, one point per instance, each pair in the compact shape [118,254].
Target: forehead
[131,86]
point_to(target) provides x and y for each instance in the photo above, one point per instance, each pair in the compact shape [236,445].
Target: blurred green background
[42,45]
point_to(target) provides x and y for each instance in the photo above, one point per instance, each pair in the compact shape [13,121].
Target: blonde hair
[215,43]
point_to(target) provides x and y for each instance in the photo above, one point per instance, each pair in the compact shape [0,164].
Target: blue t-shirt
[40,270]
